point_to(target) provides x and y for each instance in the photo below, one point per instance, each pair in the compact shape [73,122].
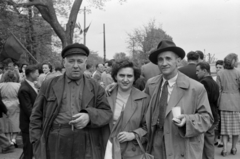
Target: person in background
[11,65]
[58,71]
[7,147]
[106,77]
[190,69]
[47,69]
[204,75]
[8,90]
[228,80]
[201,56]
[219,67]
[88,71]
[27,95]
[149,70]
[71,114]
[22,71]
[97,74]
[129,106]
[175,135]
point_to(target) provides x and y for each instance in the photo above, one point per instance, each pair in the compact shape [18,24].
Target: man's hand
[80,120]
[109,88]
[182,120]
[125,136]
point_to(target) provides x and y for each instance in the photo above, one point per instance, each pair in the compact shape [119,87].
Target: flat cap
[75,48]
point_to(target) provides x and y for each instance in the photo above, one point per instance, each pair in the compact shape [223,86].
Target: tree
[142,40]
[48,13]
[120,56]
[210,58]
[94,58]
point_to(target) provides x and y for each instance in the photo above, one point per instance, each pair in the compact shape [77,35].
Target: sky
[210,26]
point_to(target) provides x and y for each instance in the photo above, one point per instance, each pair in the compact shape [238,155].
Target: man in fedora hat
[179,111]
[71,114]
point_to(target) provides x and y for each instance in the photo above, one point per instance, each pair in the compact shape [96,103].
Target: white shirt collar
[32,85]
[171,81]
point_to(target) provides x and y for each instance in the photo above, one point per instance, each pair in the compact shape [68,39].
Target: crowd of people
[162,110]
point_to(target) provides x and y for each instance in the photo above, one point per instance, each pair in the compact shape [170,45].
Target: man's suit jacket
[213,94]
[26,96]
[149,70]
[191,96]
[190,71]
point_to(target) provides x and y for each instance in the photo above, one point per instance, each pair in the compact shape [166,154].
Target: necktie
[163,105]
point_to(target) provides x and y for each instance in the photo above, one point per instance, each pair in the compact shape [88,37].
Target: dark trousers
[27,146]
[65,143]
[208,148]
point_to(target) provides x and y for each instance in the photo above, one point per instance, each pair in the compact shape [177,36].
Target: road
[16,154]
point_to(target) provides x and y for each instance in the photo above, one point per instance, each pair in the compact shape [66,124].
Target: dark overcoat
[47,107]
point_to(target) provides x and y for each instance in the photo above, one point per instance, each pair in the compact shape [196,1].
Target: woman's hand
[125,136]
[109,88]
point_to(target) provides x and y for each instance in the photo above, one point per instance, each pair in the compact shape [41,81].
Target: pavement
[17,153]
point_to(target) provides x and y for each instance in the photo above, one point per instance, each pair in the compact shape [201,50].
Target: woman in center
[129,106]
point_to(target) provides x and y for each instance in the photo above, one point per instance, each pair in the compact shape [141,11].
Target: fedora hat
[166,45]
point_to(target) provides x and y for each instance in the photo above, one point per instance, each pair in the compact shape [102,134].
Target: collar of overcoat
[130,107]
[182,84]
[87,95]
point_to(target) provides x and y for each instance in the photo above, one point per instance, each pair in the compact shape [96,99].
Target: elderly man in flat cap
[71,114]
[179,111]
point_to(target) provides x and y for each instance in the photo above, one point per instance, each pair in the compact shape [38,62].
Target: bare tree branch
[73,17]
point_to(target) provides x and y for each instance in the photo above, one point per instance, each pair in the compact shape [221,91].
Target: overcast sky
[213,26]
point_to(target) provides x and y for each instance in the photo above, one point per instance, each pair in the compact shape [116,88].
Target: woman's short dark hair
[230,61]
[22,67]
[125,63]
[49,65]
[30,69]
[219,62]
[11,76]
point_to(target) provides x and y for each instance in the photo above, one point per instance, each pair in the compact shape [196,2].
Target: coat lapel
[58,88]
[131,105]
[87,93]
[112,100]
[181,85]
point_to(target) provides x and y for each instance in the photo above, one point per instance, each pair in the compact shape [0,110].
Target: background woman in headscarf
[129,106]
[229,84]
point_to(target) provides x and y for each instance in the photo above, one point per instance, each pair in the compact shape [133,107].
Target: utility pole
[104,44]
[84,32]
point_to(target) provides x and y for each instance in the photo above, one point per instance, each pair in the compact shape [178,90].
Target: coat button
[134,148]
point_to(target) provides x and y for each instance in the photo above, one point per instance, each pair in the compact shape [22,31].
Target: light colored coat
[133,119]
[191,96]
[229,84]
